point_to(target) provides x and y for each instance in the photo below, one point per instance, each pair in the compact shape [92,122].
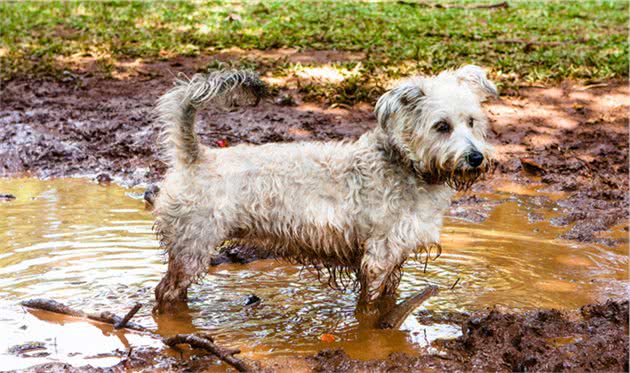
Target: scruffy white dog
[357,208]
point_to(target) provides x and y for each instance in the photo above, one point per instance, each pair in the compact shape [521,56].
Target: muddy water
[91,247]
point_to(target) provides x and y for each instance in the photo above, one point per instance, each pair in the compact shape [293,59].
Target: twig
[531,43]
[201,341]
[395,318]
[415,3]
[206,344]
[128,316]
[502,4]
[595,85]
[455,284]
[56,307]
[52,306]
[426,262]
[110,318]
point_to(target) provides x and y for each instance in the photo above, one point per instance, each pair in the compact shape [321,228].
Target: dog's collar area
[398,155]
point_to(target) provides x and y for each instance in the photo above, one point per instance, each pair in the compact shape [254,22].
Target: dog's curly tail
[177,108]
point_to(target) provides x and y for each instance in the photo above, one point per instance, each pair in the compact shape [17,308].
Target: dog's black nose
[474,158]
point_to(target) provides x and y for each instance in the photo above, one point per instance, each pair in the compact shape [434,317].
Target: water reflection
[92,247]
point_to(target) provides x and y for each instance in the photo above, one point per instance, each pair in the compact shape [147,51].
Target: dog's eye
[442,127]
[471,122]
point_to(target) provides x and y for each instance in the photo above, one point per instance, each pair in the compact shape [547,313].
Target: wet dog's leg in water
[189,256]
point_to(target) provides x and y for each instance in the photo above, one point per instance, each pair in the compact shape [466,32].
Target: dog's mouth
[459,178]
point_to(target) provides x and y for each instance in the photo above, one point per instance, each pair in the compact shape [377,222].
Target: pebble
[7,197]
[252,299]
[103,178]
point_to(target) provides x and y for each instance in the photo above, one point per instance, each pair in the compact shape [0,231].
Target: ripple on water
[92,247]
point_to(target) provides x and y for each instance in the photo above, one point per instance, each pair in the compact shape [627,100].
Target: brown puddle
[92,247]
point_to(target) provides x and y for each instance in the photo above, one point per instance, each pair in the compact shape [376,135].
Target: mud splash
[91,246]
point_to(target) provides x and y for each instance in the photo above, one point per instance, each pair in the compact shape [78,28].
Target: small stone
[103,178]
[286,100]
[532,167]
[37,354]
[7,197]
[252,299]
[26,347]
[140,173]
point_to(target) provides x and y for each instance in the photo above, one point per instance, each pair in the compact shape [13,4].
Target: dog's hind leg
[189,255]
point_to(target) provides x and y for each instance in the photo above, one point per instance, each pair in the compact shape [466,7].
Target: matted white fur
[361,206]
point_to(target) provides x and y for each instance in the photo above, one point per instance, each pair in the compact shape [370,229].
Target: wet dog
[354,209]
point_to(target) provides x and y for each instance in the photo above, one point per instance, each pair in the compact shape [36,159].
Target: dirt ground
[571,138]
[596,339]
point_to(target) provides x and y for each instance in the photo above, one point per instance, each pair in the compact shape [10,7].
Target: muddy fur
[354,210]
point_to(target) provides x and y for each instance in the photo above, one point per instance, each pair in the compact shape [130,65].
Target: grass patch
[582,40]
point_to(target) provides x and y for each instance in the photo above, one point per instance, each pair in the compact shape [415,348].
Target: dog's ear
[397,100]
[475,78]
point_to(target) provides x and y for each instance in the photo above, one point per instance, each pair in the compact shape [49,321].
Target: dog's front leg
[379,276]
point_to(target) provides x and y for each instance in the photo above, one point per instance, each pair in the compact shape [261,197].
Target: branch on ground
[529,44]
[502,4]
[205,343]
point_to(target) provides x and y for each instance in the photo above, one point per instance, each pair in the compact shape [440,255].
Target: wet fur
[355,210]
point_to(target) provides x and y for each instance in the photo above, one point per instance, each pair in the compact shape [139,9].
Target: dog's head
[438,125]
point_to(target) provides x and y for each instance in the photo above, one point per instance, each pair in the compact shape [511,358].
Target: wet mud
[594,339]
[571,139]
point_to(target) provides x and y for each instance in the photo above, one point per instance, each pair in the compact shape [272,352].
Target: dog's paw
[170,307]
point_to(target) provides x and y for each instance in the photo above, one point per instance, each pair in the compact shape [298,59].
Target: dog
[358,209]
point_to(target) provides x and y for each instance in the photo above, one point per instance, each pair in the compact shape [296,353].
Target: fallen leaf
[327,338]
[531,167]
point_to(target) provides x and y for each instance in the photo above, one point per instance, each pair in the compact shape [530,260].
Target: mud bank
[593,339]
[571,138]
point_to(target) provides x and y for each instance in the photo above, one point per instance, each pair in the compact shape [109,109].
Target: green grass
[581,40]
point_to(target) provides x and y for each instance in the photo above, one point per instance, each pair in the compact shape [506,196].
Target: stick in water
[128,317]
[204,342]
[394,318]
[104,317]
